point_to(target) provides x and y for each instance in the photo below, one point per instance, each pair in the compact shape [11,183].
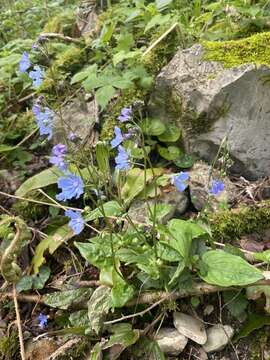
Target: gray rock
[211,103]
[170,341]
[86,18]
[218,336]
[79,116]
[190,327]
[199,187]
[179,202]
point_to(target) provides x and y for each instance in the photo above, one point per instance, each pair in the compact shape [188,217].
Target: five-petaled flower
[76,222]
[125,114]
[217,187]
[37,75]
[43,320]
[118,139]
[180,181]
[58,156]
[25,62]
[122,159]
[71,185]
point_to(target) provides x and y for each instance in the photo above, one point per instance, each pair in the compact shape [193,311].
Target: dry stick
[61,37]
[155,43]
[18,317]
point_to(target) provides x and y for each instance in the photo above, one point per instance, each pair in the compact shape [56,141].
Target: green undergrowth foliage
[69,234]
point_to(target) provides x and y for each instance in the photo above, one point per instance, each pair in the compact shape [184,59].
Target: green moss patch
[229,225]
[254,49]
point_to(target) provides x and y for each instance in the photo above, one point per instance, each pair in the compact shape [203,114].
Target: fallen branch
[61,37]
[197,289]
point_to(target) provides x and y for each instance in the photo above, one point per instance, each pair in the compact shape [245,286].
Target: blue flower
[180,181]
[217,187]
[71,186]
[122,159]
[125,114]
[44,120]
[43,320]
[25,62]
[59,150]
[76,221]
[58,155]
[37,76]
[118,137]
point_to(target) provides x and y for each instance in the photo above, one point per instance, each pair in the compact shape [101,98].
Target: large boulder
[216,103]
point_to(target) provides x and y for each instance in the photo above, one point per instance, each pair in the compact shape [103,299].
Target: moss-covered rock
[254,49]
[230,225]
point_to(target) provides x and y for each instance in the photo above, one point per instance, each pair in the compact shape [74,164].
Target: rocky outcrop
[216,105]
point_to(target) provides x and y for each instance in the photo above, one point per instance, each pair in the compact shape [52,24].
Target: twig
[61,37]
[18,317]
[139,313]
[155,43]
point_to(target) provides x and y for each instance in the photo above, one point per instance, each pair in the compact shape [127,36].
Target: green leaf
[104,95]
[102,157]
[44,178]
[24,284]
[254,322]
[135,181]
[98,307]
[235,302]
[96,352]
[263,256]
[122,292]
[123,337]
[171,134]
[51,243]
[180,268]
[152,127]
[182,233]
[224,269]
[106,32]
[6,148]
[79,318]
[68,298]
[163,4]
[161,211]
[82,75]
[157,20]
[170,153]
[39,280]
[111,208]
[184,161]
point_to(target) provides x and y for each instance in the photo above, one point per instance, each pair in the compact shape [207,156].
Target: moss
[71,60]
[229,225]
[63,23]
[9,346]
[254,49]
[34,212]
[161,54]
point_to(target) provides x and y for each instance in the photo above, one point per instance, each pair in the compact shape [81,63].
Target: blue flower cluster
[71,185]
[42,320]
[44,119]
[217,187]
[58,156]
[37,74]
[122,159]
[180,181]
